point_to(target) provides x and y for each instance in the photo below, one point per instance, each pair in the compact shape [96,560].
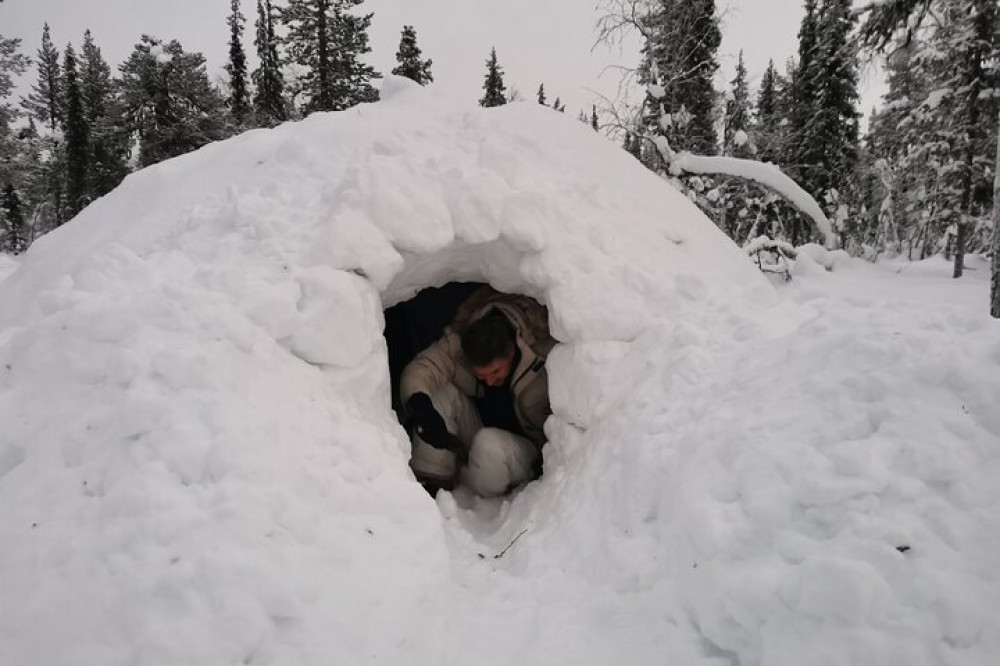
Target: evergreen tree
[408,56]
[971,35]
[541,95]
[239,97]
[937,150]
[495,91]
[15,239]
[593,118]
[76,132]
[680,60]
[884,20]
[739,203]
[797,150]
[12,65]
[821,151]
[833,128]
[559,106]
[44,101]
[327,41]
[736,140]
[269,101]
[109,140]
[168,100]
[767,134]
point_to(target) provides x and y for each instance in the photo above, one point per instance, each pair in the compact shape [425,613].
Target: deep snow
[199,465]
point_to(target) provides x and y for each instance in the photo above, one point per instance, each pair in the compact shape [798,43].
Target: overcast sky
[536,40]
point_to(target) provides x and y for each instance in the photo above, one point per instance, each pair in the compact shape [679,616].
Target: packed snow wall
[198,462]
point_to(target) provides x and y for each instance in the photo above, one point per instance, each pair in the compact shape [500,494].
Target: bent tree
[664,130]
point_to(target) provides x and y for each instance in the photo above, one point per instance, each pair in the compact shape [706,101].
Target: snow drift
[199,464]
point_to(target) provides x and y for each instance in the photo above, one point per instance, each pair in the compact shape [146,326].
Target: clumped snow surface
[199,464]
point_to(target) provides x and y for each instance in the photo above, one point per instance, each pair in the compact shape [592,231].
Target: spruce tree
[109,140]
[408,56]
[541,95]
[239,97]
[269,98]
[739,203]
[559,106]
[737,121]
[44,101]
[495,91]
[680,58]
[76,132]
[12,65]
[973,43]
[327,41]
[168,100]
[15,238]
[833,128]
[798,149]
[884,20]
[593,118]
[769,115]
[821,151]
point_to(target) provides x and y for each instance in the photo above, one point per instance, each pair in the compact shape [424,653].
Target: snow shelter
[209,337]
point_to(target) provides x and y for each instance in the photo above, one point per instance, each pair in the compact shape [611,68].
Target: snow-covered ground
[825,496]
[199,464]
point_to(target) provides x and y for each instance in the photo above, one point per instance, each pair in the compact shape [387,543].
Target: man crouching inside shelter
[479,395]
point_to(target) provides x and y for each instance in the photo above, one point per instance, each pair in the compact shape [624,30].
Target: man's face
[495,372]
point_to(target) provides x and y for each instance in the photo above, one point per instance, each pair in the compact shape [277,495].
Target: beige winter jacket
[444,361]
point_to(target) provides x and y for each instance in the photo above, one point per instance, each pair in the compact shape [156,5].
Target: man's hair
[487,339]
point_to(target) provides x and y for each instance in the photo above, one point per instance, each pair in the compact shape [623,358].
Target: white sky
[537,40]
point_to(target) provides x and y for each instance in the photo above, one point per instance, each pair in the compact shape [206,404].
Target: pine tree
[12,65]
[76,132]
[798,151]
[559,106]
[680,58]
[44,102]
[593,118]
[739,203]
[821,151]
[327,40]
[408,56]
[737,121]
[973,48]
[15,238]
[884,20]
[269,101]
[541,95]
[109,140]
[495,90]
[768,134]
[168,100]
[239,97]
[834,123]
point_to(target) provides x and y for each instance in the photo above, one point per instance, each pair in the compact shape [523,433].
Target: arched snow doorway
[425,296]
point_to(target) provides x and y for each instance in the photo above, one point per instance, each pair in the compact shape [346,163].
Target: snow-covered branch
[763,173]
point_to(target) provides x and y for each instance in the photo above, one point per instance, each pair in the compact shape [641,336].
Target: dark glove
[430,425]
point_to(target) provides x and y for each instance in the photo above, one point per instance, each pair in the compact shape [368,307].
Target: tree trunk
[960,235]
[995,277]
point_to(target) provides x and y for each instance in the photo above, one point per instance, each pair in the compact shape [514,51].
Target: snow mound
[199,463]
